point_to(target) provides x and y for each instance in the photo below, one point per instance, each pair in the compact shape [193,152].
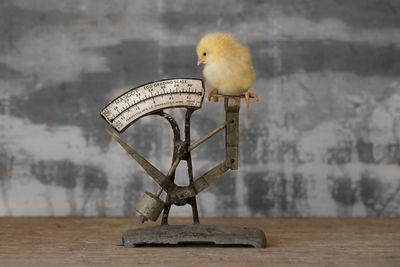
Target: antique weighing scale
[152,99]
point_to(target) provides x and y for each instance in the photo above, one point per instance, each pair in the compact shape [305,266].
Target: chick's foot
[213,92]
[247,98]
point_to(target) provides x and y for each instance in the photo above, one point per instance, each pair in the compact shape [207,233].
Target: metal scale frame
[152,99]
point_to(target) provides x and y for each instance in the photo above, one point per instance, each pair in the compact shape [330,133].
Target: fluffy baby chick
[227,65]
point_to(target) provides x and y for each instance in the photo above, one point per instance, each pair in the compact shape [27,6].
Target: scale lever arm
[202,182]
[151,170]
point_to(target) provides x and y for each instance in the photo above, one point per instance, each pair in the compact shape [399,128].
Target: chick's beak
[201,61]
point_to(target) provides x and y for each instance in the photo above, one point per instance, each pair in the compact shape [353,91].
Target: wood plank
[78,241]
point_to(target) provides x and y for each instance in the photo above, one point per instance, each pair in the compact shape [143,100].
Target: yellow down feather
[228,66]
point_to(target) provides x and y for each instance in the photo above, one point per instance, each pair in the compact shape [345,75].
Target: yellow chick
[227,65]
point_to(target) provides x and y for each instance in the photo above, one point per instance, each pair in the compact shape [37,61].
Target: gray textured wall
[323,140]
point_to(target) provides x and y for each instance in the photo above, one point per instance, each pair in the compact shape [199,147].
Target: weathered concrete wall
[322,141]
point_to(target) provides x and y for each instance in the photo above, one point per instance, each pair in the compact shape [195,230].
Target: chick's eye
[204,54]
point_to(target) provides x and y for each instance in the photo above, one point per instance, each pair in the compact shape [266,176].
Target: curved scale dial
[152,97]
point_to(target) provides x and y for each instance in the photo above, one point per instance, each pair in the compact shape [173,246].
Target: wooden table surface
[93,241]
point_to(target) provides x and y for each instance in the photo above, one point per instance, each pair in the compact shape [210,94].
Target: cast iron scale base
[152,99]
[194,235]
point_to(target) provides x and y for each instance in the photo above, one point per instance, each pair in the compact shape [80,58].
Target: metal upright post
[232,107]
